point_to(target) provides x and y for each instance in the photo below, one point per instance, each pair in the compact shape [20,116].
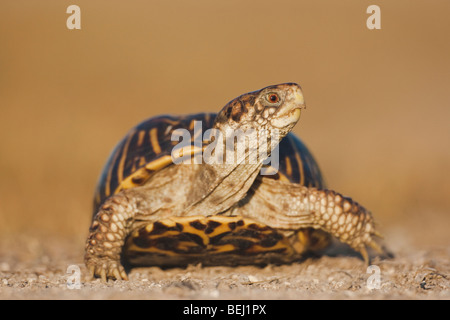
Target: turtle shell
[148,147]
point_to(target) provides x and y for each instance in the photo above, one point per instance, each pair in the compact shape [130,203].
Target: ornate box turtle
[150,211]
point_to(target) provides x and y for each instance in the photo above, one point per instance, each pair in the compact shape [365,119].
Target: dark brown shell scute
[198,225]
[212,225]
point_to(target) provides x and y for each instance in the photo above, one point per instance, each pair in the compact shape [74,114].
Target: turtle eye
[273,98]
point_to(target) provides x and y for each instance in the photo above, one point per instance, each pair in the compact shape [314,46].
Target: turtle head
[274,107]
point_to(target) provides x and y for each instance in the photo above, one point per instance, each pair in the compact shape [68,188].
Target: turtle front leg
[106,238]
[344,218]
[293,206]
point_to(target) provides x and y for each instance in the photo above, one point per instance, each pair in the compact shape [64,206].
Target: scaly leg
[106,238]
[292,206]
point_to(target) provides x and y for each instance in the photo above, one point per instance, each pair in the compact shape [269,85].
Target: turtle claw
[363,251]
[103,275]
[106,270]
[377,234]
[376,247]
[120,274]
[91,272]
[116,274]
[369,242]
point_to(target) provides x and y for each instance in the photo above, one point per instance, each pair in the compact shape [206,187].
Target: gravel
[37,268]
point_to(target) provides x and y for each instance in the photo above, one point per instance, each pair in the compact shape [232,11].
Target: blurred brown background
[378,101]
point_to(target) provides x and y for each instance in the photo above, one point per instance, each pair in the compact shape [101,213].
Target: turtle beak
[299,100]
[296,97]
[290,111]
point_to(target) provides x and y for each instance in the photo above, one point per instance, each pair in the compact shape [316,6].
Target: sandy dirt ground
[40,272]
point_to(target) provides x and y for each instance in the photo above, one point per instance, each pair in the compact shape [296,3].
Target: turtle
[160,203]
